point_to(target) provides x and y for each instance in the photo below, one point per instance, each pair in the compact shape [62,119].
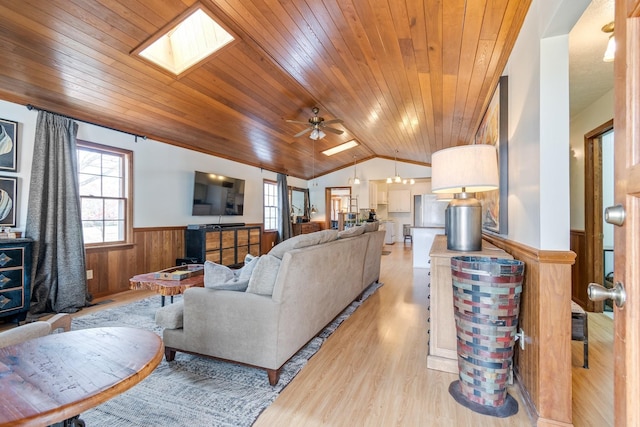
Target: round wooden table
[55,378]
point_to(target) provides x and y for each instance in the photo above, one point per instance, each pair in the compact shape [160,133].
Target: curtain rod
[32,107]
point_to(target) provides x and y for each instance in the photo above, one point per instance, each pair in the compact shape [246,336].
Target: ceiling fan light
[314,134]
[321,134]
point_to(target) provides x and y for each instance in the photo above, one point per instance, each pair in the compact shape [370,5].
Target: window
[103,177]
[270,205]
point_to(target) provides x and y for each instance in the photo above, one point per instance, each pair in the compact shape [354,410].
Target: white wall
[162,174]
[582,123]
[539,210]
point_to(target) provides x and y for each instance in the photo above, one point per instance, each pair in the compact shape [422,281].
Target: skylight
[341,147]
[196,37]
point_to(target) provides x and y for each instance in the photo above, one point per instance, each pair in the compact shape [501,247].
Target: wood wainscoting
[153,249]
[543,368]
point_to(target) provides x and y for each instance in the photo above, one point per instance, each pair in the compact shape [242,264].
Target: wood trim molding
[544,366]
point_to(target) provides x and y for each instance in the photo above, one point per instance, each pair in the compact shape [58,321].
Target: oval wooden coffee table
[55,378]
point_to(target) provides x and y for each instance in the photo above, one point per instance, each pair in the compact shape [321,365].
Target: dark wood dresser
[305,227]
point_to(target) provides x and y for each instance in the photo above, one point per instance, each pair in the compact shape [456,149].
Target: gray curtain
[284,225]
[58,280]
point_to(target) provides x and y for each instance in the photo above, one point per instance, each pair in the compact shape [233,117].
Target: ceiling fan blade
[296,121]
[330,122]
[302,133]
[332,130]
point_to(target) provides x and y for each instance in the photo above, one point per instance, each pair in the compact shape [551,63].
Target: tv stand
[225,244]
[228,225]
[214,226]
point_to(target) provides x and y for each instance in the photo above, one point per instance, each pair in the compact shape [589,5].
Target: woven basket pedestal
[486,303]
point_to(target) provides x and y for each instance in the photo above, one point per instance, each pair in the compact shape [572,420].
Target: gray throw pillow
[264,275]
[216,274]
[245,272]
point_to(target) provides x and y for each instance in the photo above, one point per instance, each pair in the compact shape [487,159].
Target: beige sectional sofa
[293,292]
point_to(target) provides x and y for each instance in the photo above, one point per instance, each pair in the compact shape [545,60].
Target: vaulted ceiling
[407,78]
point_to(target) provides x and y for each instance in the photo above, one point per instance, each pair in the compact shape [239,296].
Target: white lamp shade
[465,168]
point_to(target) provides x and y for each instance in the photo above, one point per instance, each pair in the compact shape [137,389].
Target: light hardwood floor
[372,370]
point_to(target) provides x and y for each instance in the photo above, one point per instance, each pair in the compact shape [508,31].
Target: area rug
[191,390]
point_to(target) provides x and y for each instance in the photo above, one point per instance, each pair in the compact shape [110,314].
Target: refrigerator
[428,221]
[428,211]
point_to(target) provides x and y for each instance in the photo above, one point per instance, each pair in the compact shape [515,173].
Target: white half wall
[539,194]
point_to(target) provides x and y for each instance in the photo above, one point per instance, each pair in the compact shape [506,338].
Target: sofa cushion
[350,232]
[302,241]
[264,275]
[371,226]
[170,316]
[215,274]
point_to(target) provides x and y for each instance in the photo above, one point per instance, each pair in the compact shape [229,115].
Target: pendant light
[396,179]
[356,180]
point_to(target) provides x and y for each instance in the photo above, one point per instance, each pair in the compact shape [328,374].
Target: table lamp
[464,170]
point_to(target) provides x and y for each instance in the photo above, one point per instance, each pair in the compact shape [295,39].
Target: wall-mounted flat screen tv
[215,194]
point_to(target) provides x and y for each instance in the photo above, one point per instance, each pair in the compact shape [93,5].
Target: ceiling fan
[317,126]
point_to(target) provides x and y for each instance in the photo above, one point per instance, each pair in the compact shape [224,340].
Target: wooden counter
[443,354]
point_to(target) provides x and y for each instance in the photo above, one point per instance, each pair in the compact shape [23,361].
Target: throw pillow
[250,262]
[215,274]
[371,226]
[302,241]
[264,275]
[350,232]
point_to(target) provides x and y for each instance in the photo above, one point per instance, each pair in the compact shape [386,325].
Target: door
[627,192]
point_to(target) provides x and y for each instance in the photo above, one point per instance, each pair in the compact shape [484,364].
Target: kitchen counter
[422,238]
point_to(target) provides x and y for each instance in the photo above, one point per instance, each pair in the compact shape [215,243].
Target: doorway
[598,186]
[337,201]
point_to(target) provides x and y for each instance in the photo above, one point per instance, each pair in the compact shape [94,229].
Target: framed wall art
[8,145]
[493,130]
[8,199]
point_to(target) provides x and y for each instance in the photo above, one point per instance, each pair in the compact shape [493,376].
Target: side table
[443,353]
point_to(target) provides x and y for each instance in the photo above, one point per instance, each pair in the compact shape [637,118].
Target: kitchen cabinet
[400,201]
[373,195]
[382,197]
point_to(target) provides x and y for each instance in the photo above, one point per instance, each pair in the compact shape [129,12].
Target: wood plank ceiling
[412,76]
